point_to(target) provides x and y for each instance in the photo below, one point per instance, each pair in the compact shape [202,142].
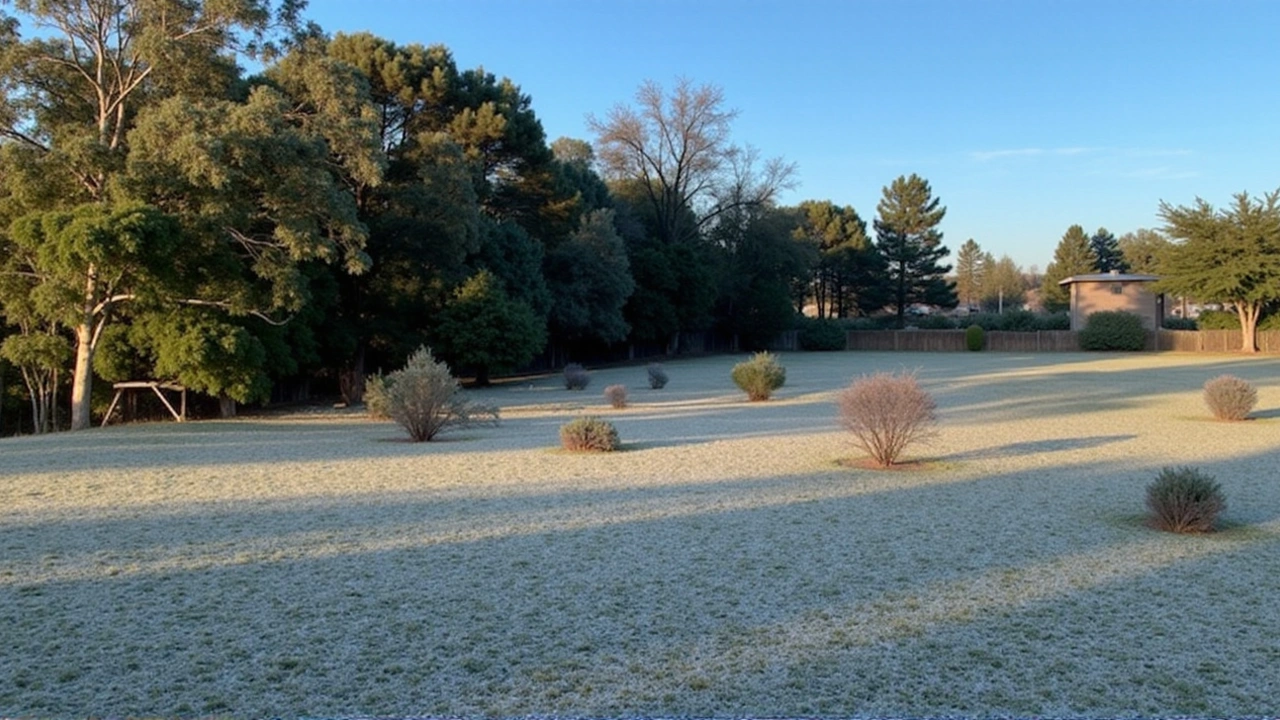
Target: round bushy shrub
[1053,321]
[657,376]
[576,377]
[1184,500]
[933,322]
[616,395]
[821,334]
[1019,321]
[974,337]
[759,376]
[1218,320]
[589,434]
[1229,397]
[1113,330]
[885,413]
[1177,323]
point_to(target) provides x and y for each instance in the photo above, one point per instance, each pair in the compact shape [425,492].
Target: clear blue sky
[1026,116]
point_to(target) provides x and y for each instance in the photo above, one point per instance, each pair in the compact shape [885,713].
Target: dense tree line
[165,214]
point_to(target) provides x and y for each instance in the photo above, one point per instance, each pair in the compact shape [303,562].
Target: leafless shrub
[886,413]
[616,395]
[1229,397]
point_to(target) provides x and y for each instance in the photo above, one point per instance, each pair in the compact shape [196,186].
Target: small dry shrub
[759,376]
[1184,500]
[616,395]
[589,434]
[886,413]
[657,376]
[576,377]
[424,398]
[1229,397]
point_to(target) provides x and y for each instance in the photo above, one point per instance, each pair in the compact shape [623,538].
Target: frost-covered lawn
[727,564]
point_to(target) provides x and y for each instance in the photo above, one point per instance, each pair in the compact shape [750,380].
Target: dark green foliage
[759,376]
[657,376]
[1021,321]
[1270,322]
[616,396]
[1177,323]
[485,329]
[932,322]
[1106,249]
[1113,330]
[761,262]
[1073,256]
[1229,397]
[821,334]
[849,275]
[576,377]
[1184,500]
[974,337]
[424,398]
[589,277]
[875,322]
[1218,320]
[589,434]
[908,237]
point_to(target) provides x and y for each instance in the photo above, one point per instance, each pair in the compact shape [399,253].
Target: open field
[726,564]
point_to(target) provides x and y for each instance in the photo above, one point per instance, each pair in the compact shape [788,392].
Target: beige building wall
[1088,297]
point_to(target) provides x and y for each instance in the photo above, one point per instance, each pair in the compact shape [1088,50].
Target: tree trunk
[82,379]
[351,381]
[1248,315]
[482,376]
[226,406]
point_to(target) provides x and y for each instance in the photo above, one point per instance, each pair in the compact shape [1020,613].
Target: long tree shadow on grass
[787,596]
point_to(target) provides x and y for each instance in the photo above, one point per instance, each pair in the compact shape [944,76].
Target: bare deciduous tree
[677,147]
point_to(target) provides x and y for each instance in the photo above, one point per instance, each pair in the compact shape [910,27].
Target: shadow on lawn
[786,596]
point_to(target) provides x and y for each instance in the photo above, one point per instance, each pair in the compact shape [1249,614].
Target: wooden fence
[1216,341]
[1205,341]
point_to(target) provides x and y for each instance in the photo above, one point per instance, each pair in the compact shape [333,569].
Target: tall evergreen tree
[849,276]
[1107,250]
[907,235]
[1073,256]
[970,268]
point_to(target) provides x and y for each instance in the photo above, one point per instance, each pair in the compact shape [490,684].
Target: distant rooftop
[1109,277]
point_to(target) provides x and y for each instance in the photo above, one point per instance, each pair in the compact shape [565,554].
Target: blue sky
[1025,116]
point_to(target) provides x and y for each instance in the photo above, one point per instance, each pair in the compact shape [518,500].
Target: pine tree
[970,268]
[907,235]
[1106,248]
[1073,256]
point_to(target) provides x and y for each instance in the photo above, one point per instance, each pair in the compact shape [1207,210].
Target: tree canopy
[1229,255]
